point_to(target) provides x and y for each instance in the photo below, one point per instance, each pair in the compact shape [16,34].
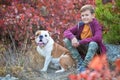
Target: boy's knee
[66,40]
[67,43]
[93,45]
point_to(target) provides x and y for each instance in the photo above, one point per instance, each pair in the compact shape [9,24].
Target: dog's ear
[37,33]
[48,32]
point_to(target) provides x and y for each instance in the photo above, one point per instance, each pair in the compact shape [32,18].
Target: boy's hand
[75,42]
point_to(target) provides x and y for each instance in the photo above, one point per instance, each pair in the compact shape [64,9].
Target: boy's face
[87,16]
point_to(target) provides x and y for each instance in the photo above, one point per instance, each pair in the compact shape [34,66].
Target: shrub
[109,15]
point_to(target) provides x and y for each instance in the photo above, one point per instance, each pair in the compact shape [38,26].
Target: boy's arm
[71,32]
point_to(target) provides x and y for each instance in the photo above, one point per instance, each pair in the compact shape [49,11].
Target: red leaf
[72,77]
[94,75]
[42,19]
[50,29]
[98,62]
[117,64]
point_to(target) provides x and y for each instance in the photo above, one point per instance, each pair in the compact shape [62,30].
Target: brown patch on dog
[58,50]
[66,60]
[37,33]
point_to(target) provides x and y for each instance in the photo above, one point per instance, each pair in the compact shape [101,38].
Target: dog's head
[42,37]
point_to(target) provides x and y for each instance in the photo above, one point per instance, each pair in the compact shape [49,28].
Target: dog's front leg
[46,63]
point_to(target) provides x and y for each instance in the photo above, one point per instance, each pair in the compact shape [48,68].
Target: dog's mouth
[41,44]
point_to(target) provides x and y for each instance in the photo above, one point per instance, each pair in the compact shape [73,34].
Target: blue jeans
[92,48]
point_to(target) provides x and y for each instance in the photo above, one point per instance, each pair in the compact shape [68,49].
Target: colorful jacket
[96,29]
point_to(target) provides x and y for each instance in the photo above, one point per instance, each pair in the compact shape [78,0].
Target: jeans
[91,51]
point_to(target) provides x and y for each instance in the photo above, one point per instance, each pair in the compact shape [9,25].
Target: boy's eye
[86,15]
[82,15]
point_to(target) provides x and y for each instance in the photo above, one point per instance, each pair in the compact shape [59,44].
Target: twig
[13,41]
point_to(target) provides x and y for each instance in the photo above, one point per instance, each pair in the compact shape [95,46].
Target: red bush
[22,18]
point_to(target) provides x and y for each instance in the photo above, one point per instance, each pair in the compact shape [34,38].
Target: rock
[113,52]
[8,77]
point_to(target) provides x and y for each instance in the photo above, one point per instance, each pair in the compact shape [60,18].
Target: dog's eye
[45,35]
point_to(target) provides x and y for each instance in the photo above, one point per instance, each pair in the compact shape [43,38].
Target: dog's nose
[40,37]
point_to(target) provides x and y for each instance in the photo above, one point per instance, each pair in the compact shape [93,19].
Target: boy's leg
[74,52]
[92,49]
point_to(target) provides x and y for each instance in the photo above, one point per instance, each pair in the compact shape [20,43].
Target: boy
[85,39]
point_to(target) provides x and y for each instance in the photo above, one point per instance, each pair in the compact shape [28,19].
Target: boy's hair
[87,7]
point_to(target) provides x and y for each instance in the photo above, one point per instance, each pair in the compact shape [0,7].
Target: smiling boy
[84,40]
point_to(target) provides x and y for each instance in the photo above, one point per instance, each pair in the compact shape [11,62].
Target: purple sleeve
[71,32]
[97,37]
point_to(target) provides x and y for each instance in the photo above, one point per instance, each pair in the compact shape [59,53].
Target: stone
[113,52]
[8,77]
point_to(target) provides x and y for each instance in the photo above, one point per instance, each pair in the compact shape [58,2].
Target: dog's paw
[43,70]
[58,71]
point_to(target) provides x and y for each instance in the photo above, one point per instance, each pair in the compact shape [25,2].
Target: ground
[33,63]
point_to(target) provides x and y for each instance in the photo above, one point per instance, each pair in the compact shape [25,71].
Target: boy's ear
[93,15]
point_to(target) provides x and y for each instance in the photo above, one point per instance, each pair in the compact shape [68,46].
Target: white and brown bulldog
[52,52]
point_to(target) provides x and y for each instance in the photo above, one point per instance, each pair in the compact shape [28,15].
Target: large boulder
[113,52]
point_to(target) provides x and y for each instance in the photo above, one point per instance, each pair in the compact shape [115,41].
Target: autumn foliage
[21,18]
[98,70]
